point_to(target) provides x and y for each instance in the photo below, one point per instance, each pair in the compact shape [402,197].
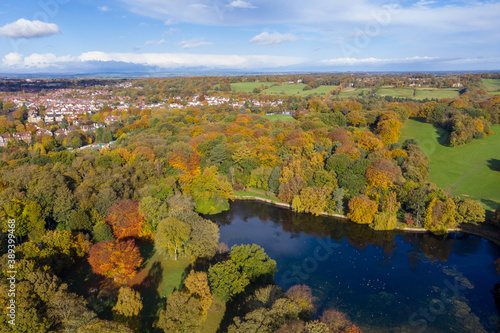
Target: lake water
[384,281]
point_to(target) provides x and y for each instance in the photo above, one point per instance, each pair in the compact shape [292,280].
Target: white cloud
[191,44]
[28,29]
[179,60]
[274,38]
[375,61]
[169,22]
[241,4]
[12,59]
[157,42]
[103,8]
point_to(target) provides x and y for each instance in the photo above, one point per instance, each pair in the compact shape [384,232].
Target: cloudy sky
[79,36]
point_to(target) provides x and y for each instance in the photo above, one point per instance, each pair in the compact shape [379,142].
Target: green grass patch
[248,87]
[279,117]
[471,171]
[297,89]
[214,317]
[491,84]
[253,192]
[359,92]
[421,93]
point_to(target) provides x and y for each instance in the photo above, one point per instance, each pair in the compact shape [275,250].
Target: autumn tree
[302,295]
[470,211]
[389,128]
[116,260]
[172,236]
[129,302]
[382,173]
[253,261]
[182,314]
[125,219]
[386,219]
[197,284]
[440,215]
[210,191]
[362,209]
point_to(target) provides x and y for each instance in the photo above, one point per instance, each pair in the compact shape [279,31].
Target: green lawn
[297,89]
[472,170]
[491,84]
[253,192]
[214,317]
[279,117]
[355,92]
[286,88]
[248,87]
[422,93]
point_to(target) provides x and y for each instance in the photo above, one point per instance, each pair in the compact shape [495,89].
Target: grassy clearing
[253,192]
[214,317]
[285,89]
[491,84]
[348,92]
[279,117]
[421,93]
[472,170]
[248,87]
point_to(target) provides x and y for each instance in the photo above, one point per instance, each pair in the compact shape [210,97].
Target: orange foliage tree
[389,128]
[116,260]
[362,209]
[125,219]
[382,173]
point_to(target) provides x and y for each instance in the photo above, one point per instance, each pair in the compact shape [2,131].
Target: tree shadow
[152,302]
[493,164]
[493,204]
[443,136]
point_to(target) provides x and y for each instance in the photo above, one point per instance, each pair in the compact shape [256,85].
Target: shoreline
[405,229]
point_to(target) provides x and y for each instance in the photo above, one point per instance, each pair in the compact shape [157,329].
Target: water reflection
[383,280]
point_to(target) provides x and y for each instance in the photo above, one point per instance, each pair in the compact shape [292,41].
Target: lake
[384,281]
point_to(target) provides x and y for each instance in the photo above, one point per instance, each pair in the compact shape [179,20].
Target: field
[279,117]
[472,170]
[248,87]
[348,92]
[285,89]
[492,85]
[421,93]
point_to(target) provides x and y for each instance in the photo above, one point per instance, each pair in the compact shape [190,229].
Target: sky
[168,36]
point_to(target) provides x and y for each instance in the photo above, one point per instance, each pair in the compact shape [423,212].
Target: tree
[102,232]
[79,220]
[336,321]
[440,215]
[154,210]
[210,191]
[125,219]
[226,280]
[302,295]
[387,218]
[28,217]
[338,163]
[362,209]
[197,284]
[470,211]
[172,236]
[274,182]
[116,260]
[253,261]
[382,173]
[129,302]
[182,314]
[104,326]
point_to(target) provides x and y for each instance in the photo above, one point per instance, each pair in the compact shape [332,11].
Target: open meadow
[472,170]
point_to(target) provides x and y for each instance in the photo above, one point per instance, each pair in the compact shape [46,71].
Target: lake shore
[473,230]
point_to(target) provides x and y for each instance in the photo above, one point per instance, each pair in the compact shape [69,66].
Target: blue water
[384,281]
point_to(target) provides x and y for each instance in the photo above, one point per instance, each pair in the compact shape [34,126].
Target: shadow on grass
[152,302]
[494,164]
[492,204]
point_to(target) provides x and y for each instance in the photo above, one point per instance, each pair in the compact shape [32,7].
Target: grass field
[279,117]
[286,88]
[354,92]
[253,192]
[248,87]
[472,170]
[492,84]
[421,93]
[214,317]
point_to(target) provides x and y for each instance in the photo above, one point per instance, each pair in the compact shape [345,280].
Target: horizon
[83,37]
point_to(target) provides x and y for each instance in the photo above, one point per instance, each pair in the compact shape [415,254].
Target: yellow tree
[362,209]
[197,284]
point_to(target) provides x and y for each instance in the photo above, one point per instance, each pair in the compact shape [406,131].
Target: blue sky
[78,36]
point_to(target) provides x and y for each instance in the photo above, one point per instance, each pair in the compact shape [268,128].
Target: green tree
[226,280]
[79,220]
[470,211]
[182,314]
[102,232]
[154,210]
[104,326]
[172,236]
[253,261]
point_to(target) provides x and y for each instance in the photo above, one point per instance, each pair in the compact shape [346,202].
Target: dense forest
[168,161]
